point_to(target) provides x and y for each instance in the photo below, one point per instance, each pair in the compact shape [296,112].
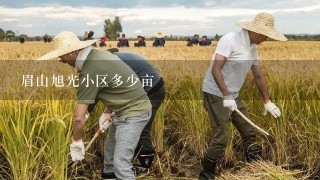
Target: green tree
[112,28]
[217,37]
[1,34]
[113,33]
[117,26]
[10,35]
[109,29]
[106,29]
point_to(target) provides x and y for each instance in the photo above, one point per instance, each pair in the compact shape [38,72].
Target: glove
[77,150]
[272,109]
[105,121]
[229,102]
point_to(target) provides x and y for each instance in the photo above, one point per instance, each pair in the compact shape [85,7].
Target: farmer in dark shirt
[159,41]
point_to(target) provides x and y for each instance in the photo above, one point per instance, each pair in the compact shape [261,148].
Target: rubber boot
[253,155]
[145,163]
[108,176]
[209,169]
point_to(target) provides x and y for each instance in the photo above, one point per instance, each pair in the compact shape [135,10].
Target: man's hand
[229,102]
[105,121]
[77,150]
[272,109]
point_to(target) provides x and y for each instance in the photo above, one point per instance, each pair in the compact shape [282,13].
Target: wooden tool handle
[250,122]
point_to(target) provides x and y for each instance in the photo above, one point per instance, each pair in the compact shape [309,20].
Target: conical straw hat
[263,23]
[64,43]
[159,35]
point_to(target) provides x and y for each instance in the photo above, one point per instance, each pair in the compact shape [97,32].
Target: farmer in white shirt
[235,55]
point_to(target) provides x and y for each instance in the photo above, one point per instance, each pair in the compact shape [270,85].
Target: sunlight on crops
[35,130]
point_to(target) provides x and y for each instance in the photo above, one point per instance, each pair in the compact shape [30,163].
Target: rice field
[35,123]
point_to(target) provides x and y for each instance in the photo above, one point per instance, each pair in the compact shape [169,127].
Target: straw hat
[159,35]
[263,23]
[64,43]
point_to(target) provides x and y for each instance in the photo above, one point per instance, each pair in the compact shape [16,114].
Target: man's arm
[228,101]
[261,83]
[78,120]
[217,75]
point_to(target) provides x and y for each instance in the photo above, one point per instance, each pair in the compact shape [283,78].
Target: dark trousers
[221,117]
[145,146]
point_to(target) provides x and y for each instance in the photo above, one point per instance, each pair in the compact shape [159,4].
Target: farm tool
[250,122]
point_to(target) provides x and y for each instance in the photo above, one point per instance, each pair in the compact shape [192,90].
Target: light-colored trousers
[120,145]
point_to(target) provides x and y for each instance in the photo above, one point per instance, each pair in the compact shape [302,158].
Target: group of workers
[130,110]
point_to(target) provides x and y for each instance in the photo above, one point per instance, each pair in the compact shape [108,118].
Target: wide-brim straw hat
[64,43]
[159,35]
[263,23]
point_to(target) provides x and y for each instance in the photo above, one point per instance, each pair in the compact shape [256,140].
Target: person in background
[103,41]
[46,38]
[205,41]
[235,54]
[159,41]
[141,42]
[21,39]
[189,42]
[90,37]
[195,39]
[208,41]
[123,41]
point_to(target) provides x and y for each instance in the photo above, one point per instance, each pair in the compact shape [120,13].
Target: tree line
[113,28]
[6,35]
